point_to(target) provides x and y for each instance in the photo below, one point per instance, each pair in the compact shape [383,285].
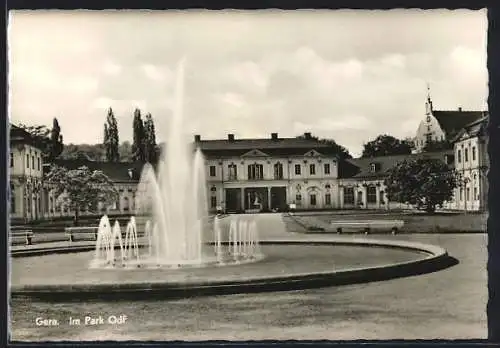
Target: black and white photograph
[237,175]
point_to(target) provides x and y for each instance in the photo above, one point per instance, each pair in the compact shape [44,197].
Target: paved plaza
[447,304]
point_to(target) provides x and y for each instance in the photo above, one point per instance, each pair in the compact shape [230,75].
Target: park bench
[71,232]
[368,225]
[21,236]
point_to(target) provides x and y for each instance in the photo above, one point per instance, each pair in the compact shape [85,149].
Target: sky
[346,75]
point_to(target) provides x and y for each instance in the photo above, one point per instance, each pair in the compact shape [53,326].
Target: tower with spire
[441,125]
[428,103]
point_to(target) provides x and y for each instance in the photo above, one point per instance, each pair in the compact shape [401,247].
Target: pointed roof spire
[429,100]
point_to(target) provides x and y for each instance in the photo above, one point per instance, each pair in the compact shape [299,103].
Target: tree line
[144,147]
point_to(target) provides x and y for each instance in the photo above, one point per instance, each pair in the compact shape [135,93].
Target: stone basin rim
[435,258]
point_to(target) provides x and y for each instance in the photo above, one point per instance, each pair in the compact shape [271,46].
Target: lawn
[414,222]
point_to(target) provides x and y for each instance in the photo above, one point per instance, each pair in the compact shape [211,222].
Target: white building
[362,179]
[471,161]
[270,174]
[26,173]
[440,125]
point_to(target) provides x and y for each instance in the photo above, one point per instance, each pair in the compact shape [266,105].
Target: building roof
[116,171]
[272,146]
[362,167]
[473,129]
[20,135]
[451,122]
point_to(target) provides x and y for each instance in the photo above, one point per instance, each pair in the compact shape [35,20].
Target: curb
[437,258]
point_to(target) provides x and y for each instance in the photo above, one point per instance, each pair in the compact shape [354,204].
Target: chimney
[274,136]
[459,108]
[307,135]
[197,138]
[230,137]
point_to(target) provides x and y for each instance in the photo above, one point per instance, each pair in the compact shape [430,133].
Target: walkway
[448,304]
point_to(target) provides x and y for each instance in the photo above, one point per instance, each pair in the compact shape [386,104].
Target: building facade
[440,125]
[26,176]
[471,161]
[246,175]
[253,175]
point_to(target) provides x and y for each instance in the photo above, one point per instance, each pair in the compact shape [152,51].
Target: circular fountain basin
[288,265]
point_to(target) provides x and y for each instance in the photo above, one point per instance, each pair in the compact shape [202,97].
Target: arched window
[278,171]
[371,194]
[232,172]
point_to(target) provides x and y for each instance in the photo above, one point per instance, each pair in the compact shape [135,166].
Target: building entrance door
[278,198]
[233,200]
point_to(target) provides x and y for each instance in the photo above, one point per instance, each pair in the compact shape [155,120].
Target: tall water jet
[173,200]
[176,198]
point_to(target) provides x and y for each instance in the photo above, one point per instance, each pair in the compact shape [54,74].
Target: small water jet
[174,202]
[239,243]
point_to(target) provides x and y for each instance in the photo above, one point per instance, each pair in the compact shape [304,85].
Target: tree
[56,141]
[410,141]
[386,145]
[437,145]
[341,151]
[81,188]
[111,138]
[151,148]
[139,141]
[94,152]
[424,183]
[50,141]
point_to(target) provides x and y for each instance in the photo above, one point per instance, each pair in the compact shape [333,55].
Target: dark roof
[116,171]
[451,122]
[273,147]
[473,129]
[20,135]
[361,167]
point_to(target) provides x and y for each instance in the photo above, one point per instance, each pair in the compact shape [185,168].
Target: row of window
[467,194]
[371,195]
[313,200]
[49,203]
[28,202]
[466,154]
[256,171]
[28,157]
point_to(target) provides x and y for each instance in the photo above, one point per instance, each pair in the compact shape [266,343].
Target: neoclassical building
[270,174]
[362,179]
[26,176]
[471,161]
[125,177]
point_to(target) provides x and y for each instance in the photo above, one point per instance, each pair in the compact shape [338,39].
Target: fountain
[174,203]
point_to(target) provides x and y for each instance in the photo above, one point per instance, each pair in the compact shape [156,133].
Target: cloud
[111,68]
[156,73]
